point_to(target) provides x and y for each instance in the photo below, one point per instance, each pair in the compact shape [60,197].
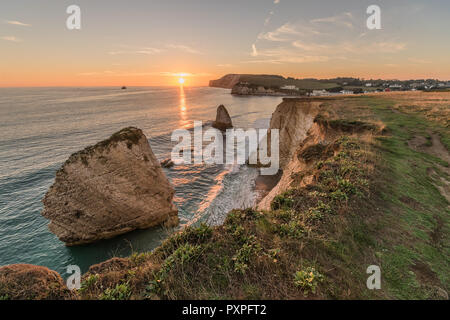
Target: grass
[265,254]
[372,202]
[406,177]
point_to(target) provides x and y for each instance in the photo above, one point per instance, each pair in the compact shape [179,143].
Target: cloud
[183,74]
[184,48]
[269,17]
[299,51]
[309,46]
[387,46]
[344,19]
[265,61]
[225,65]
[320,40]
[142,74]
[287,55]
[254,51]
[96,73]
[146,51]
[17,23]
[11,38]
[287,31]
[418,61]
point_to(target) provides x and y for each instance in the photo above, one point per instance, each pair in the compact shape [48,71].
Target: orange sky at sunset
[152,43]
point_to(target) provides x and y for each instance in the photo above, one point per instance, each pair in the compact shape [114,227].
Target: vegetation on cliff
[369,195]
[372,202]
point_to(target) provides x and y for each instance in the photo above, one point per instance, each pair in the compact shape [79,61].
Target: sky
[154,43]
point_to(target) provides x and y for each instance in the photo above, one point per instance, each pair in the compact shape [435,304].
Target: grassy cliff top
[373,198]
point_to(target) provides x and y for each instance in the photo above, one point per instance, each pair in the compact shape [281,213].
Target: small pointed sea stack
[108,189]
[223,119]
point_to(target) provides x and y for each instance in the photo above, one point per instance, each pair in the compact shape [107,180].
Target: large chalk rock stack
[108,189]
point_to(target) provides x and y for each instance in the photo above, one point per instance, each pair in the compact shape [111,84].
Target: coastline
[80,117]
[334,177]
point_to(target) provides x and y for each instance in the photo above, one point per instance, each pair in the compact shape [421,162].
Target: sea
[42,127]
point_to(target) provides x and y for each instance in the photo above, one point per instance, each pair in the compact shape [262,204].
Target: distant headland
[276,85]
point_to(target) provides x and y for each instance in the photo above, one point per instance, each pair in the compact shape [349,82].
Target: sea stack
[108,189]
[223,119]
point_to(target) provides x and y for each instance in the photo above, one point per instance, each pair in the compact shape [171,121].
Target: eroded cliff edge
[294,118]
[306,130]
[108,189]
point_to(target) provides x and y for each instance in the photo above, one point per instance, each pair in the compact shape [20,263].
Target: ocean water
[41,127]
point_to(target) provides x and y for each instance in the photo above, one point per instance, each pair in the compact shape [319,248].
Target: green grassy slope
[415,251]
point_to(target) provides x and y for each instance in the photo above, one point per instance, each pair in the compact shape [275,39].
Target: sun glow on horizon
[181,80]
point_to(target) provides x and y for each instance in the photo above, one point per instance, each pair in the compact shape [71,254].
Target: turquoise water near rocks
[41,127]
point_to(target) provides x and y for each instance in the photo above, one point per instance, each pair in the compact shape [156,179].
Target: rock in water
[223,119]
[167,163]
[111,188]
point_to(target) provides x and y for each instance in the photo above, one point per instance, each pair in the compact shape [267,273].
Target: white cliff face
[227,81]
[243,90]
[108,189]
[294,118]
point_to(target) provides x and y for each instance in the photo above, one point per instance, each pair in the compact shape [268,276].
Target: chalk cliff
[242,89]
[294,118]
[227,81]
[108,189]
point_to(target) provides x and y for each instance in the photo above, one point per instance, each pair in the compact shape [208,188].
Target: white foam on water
[237,192]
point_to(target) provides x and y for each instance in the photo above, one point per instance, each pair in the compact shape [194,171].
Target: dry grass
[434,106]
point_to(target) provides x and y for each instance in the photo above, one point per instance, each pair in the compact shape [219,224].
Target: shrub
[119,292]
[308,280]
[338,195]
[282,201]
[347,186]
[190,234]
[314,215]
[284,215]
[89,282]
[244,254]
[293,229]
[138,258]
[183,254]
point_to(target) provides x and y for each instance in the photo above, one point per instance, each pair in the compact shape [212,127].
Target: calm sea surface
[41,127]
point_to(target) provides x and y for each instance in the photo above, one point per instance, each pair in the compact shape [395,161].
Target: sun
[180,80]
